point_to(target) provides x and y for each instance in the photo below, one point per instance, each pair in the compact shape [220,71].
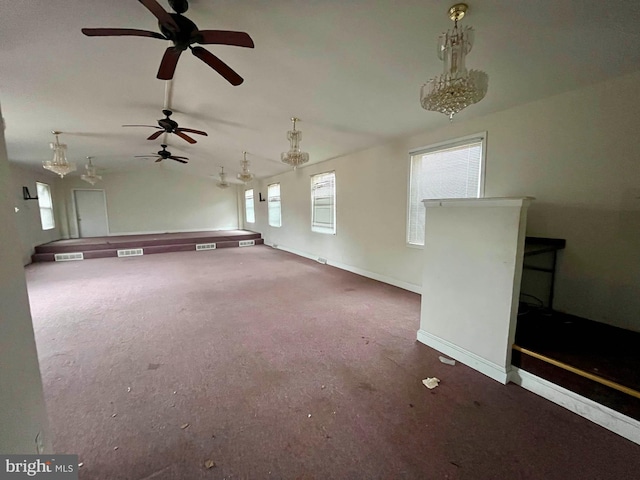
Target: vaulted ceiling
[351,69]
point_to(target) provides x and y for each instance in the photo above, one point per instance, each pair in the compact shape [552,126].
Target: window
[323,203]
[46,206]
[248,206]
[452,170]
[273,202]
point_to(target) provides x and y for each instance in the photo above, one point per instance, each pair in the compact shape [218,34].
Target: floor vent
[131,252]
[68,257]
[246,243]
[322,260]
[205,246]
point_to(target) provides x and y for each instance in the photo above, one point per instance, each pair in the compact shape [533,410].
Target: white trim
[358,271]
[454,142]
[616,422]
[490,369]
[479,202]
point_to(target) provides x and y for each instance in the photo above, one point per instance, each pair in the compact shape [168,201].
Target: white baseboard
[490,369]
[604,416]
[359,271]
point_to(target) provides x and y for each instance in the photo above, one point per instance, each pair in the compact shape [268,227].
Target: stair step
[101,252]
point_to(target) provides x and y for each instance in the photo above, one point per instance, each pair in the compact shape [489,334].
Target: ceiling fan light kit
[457,87]
[59,164]
[294,157]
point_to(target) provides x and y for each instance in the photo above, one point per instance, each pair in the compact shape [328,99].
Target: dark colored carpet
[283,368]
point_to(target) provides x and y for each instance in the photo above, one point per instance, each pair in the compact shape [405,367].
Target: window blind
[274,205]
[451,171]
[323,203]
[46,206]
[248,206]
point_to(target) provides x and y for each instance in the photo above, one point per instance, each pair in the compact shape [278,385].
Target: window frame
[319,229]
[279,205]
[253,206]
[46,207]
[454,142]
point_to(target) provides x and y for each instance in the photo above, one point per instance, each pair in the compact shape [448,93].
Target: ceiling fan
[166,125]
[183,33]
[163,155]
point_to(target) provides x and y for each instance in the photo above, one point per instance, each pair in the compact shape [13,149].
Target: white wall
[576,153]
[27,218]
[156,199]
[22,408]
[473,260]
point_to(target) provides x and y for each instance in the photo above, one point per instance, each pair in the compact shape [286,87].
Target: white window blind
[249,209]
[323,203]
[448,171]
[274,205]
[46,206]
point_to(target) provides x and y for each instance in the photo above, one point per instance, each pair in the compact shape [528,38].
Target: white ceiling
[351,69]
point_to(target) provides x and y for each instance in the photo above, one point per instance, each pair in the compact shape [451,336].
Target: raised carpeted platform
[134,245]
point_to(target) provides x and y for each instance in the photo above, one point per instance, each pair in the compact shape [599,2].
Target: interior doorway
[91,213]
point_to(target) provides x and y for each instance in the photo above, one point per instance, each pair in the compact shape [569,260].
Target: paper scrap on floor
[431,382]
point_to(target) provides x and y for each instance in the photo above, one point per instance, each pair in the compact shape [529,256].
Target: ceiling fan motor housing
[179,6]
[185,36]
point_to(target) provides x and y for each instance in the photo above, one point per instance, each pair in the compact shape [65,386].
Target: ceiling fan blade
[168,64]
[178,159]
[151,126]
[218,65]
[184,136]
[115,32]
[155,135]
[176,156]
[144,156]
[161,14]
[191,130]
[224,37]
[159,159]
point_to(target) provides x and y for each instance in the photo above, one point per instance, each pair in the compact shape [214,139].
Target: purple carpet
[274,366]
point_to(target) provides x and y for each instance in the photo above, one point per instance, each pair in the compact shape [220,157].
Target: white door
[91,212]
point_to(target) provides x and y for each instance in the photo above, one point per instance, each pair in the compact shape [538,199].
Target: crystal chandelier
[294,156]
[245,176]
[456,88]
[59,163]
[90,176]
[223,179]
